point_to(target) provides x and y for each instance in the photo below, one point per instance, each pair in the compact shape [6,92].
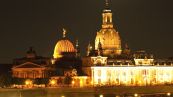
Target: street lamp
[52,82]
[101,95]
[168,94]
[73,82]
[28,83]
[136,95]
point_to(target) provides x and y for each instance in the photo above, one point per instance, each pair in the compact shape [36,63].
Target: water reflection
[61,93]
[110,95]
[84,95]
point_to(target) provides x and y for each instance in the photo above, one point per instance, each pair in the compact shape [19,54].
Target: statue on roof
[64,33]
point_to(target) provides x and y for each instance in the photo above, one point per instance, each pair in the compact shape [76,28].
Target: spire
[126,46]
[77,49]
[77,43]
[100,50]
[107,4]
[89,49]
[64,33]
[99,44]
[107,16]
[127,49]
[31,53]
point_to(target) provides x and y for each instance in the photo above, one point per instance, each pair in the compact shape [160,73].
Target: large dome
[63,46]
[108,36]
[110,40]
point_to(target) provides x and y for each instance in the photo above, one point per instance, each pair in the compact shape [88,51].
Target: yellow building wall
[132,76]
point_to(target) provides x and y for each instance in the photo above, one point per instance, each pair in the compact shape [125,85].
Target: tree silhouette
[67,80]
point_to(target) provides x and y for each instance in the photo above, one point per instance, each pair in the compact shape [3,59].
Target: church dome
[63,46]
[108,36]
[110,40]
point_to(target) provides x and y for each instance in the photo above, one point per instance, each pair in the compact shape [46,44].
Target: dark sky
[143,24]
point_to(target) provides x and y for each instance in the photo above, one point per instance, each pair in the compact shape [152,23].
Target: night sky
[142,24]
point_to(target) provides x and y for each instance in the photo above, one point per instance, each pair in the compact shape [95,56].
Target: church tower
[108,36]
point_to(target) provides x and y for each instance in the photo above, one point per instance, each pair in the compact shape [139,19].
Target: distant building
[32,66]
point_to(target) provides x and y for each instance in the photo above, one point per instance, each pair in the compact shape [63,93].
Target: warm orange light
[168,94]
[101,95]
[52,82]
[73,82]
[28,82]
[136,95]
[132,75]
[62,46]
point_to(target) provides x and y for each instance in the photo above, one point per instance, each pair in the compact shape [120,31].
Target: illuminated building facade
[132,75]
[32,66]
[66,57]
[111,65]
[108,36]
[67,62]
[106,63]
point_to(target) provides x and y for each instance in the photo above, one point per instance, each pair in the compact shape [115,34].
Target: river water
[159,91]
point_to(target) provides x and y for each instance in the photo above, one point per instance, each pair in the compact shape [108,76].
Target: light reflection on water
[32,94]
[110,95]
[56,93]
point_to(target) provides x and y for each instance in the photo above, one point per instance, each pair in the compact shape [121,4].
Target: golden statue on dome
[63,46]
[64,32]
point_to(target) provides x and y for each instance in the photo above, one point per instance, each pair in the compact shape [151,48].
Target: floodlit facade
[132,75]
[76,81]
[32,66]
[105,64]
[108,37]
[112,65]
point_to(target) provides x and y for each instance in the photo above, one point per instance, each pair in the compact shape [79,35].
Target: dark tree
[5,80]
[67,80]
[40,81]
[18,81]
[59,81]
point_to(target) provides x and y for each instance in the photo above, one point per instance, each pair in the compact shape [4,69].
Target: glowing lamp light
[101,96]
[136,95]
[73,82]
[62,96]
[28,82]
[168,94]
[52,82]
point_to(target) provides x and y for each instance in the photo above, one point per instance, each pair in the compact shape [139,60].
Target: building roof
[63,46]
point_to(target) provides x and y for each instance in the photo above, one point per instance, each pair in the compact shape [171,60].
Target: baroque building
[67,62]
[105,64]
[66,57]
[109,64]
[64,47]
[32,66]
[108,36]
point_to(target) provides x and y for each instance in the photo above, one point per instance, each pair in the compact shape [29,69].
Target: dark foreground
[148,91]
